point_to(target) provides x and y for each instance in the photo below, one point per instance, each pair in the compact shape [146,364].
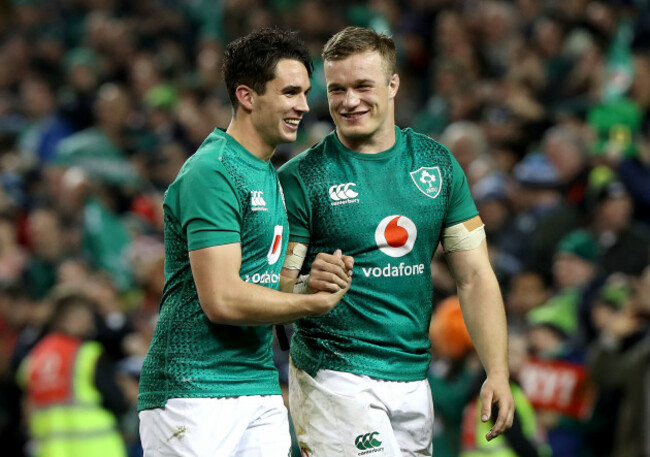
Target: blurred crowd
[544,103]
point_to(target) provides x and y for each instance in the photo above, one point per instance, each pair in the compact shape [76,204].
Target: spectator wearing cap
[620,360]
[544,215]
[624,243]
[551,328]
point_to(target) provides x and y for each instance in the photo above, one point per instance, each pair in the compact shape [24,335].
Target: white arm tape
[458,238]
[295,259]
[302,285]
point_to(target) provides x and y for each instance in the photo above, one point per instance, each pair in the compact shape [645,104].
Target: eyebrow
[357,82]
[286,89]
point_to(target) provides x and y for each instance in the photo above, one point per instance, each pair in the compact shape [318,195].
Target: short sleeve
[461,204]
[295,196]
[209,211]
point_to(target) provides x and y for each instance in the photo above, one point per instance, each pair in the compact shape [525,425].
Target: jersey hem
[461,220]
[152,400]
[401,376]
[214,241]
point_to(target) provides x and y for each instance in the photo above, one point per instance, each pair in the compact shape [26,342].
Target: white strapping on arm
[295,259]
[459,238]
[302,285]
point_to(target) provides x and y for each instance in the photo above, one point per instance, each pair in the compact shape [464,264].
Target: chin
[355,132]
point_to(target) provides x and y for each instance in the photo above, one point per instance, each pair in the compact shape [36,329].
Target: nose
[302,106]
[351,99]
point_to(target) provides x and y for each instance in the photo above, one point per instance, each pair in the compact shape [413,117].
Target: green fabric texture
[387,211]
[223,194]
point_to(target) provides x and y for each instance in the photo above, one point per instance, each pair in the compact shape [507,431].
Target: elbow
[219,310]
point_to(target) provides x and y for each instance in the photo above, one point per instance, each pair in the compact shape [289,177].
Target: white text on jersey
[343,194]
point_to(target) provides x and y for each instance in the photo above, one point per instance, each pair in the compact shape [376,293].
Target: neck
[242,129]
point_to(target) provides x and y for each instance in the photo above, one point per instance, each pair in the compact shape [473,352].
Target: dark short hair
[252,59]
[63,301]
[355,40]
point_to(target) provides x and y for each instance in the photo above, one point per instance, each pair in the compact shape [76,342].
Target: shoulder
[422,142]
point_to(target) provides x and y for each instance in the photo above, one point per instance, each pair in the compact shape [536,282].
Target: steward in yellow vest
[66,416]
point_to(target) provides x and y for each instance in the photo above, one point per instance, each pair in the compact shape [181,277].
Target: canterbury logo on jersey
[369,443]
[276,245]
[257,201]
[343,194]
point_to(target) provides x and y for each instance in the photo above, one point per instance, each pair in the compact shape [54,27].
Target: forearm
[243,303]
[484,316]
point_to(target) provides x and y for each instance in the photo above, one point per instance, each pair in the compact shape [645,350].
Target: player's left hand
[496,392]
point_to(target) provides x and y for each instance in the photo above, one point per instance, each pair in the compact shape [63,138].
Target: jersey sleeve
[295,196]
[209,209]
[461,204]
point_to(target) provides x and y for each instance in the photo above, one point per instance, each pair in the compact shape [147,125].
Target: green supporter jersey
[386,210]
[223,194]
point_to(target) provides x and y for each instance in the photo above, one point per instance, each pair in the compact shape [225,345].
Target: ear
[393,85]
[245,96]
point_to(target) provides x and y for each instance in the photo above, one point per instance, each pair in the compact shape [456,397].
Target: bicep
[466,266]
[214,269]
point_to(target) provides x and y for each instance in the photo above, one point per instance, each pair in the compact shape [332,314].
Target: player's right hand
[330,285]
[330,272]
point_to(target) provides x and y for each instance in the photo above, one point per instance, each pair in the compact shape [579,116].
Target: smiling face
[277,112]
[361,101]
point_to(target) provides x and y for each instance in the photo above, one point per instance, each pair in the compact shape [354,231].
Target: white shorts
[246,426]
[349,415]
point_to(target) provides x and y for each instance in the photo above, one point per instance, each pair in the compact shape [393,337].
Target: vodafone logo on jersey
[395,235]
[276,245]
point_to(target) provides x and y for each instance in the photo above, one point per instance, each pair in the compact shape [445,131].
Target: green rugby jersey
[223,194]
[387,210]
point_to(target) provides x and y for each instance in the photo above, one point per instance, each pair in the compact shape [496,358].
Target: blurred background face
[113,106]
[36,98]
[527,292]
[571,271]
[614,213]
[542,340]
[77,321]
[44,231]
[565,156]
